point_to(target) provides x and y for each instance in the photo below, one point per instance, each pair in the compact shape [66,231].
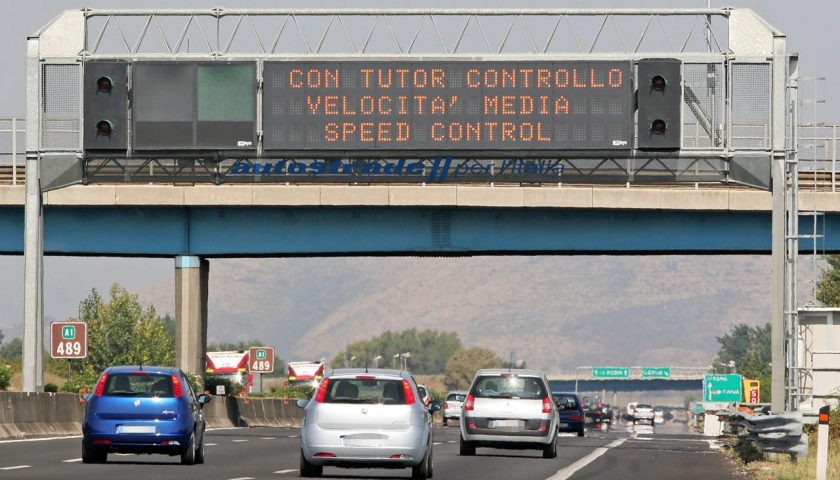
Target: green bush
[83,380]
[51,388]
[288,392]
[5,376]
[834,424]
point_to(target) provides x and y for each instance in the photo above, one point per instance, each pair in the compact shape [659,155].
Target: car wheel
[188,456]
[424,470]
[92,456]
[550,450]
[581,432]
[199,451]
[467,448]
[309,470]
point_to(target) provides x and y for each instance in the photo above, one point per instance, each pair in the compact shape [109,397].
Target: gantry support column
[191,279]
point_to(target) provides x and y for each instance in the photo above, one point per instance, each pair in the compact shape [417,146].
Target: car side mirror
[434,406]
[302,403]
[204,399]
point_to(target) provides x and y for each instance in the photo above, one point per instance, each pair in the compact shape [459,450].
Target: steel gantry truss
[738,81]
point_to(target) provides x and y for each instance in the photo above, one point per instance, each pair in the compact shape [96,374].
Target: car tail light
[322,390]
[408,392]
[445,404]
[401,456]
[325,454]
[100,385]
[177,389]
[101,442]
[140,373]
[468,403]
[365,377]
[547,405]
[543,428]
[575,418]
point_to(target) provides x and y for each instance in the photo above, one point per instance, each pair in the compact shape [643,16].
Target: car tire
[424,470]
[550,450]
[308,470]
[199,451]
[581,432]
[467,448]
[92,456]
[188,455]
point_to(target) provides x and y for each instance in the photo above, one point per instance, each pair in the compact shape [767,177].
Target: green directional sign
[723,388]
[611,372]
[68,332]
[656,372]
[260,354]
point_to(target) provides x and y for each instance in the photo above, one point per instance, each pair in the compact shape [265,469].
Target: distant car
[570,413]
[452,406]
[658,416]
[509,408]
[366,418]
[424,395]
[143,410]
[643,414]
[631,407]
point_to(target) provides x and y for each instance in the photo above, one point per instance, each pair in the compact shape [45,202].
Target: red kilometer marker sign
[261,359]
[68,340]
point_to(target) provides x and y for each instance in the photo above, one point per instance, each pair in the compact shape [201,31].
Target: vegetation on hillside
[429,349]
[461,367]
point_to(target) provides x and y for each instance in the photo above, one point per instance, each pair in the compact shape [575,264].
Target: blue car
[570,410]
[143,410]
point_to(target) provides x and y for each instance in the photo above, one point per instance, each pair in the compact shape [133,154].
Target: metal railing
[12,150]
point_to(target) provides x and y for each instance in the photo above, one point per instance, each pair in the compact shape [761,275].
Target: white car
[360,418]
[643,414]
[452,406]
[509,408]
[658,416]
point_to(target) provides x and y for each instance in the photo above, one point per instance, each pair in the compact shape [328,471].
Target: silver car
[359,418]
[452,406]
[509,409]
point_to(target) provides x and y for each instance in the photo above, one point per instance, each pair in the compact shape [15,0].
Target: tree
[430,350]
[122,332]
[828,288]
[12,350]
[461,367]
[1,337]
[234,347]
[749,348]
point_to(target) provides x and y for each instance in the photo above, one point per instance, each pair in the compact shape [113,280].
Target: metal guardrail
[769,433]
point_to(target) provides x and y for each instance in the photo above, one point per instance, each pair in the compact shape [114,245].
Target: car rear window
[566,402]
[508,386]
[355,390]
[138,385]
[456,397]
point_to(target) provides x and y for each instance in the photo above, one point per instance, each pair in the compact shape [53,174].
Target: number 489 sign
[261,360]
[68,340]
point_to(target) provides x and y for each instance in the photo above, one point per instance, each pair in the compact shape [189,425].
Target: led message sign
[447,106]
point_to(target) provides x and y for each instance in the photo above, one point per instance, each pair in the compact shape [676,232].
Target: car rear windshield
[356,390]
[138,385]
[566,402]
[508,386]
[455,397]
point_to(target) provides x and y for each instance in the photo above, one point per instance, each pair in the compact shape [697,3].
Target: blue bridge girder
[627,385]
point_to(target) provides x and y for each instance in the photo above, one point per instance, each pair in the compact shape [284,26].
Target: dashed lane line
[71,460]
[243,478]
[16,467]
[286,471]
[567,472]
[239,441]
[268,438]
[211,444]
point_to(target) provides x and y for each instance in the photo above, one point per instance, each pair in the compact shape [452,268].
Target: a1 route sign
[611,372]
[723,388]
[68,339]
[261,359]
[656,372]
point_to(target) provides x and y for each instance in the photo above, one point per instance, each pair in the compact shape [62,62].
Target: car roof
[517,371]
[367,371]
[142,368]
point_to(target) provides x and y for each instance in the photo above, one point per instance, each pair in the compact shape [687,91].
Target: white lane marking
[437,443]
[243,478]
[16,467]
[567,472]
[39,439]
[267,438]
[239,441]
[211,444]
[451,441]
[286,471]
[294,436]
[72,460]
[713,444]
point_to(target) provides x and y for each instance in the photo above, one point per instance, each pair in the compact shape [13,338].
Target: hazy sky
[810,25]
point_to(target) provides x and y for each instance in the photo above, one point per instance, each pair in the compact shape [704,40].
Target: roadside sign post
[611,372]
[656,372]
[68,340]
[261,359]
[822,443]
[723,388]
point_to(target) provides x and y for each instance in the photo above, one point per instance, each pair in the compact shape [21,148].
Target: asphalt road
[273,453]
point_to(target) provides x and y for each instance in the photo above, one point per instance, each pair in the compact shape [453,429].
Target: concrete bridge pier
[191,279]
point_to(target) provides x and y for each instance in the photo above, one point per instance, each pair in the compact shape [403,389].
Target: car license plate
[505,423]
[135,429]
[562,425]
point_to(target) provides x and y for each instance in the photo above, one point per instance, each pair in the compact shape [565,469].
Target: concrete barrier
[30,415]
